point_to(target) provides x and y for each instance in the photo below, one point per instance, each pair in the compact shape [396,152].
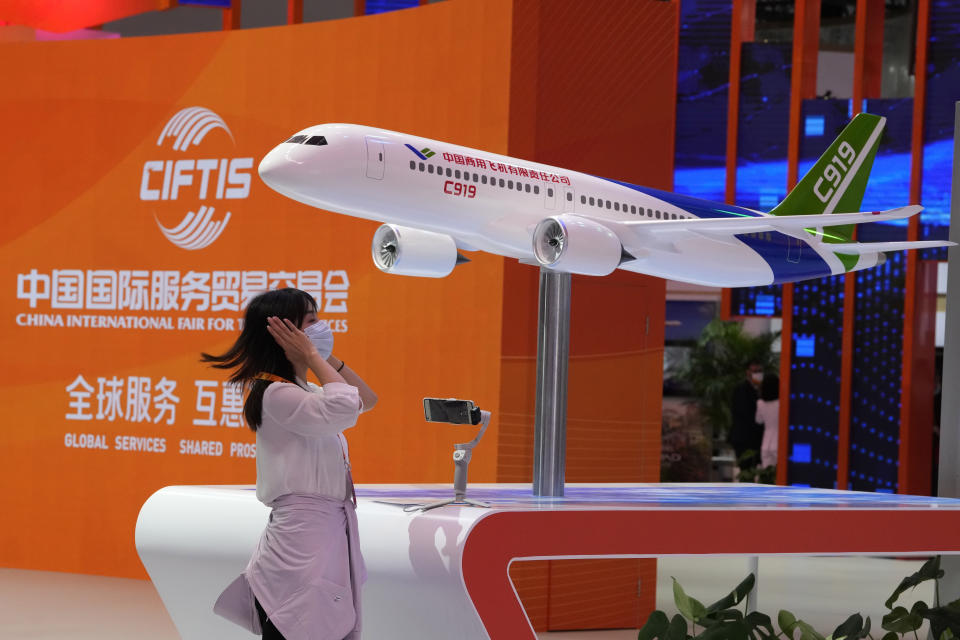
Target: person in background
[745,434]
[303,581]
[768,414]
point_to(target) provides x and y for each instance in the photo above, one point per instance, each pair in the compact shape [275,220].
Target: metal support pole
[553,349]
[753,566]
[948,482]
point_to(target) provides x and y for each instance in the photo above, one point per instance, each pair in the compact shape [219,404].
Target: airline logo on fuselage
[204,180]
[423,154]
[490,165]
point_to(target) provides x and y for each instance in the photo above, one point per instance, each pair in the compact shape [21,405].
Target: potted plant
[717,364]
[724,621]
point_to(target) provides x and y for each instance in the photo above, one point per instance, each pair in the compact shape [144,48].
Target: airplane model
[438,199]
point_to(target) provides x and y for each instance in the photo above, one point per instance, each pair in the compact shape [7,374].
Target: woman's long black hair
[770,388]
[256,351]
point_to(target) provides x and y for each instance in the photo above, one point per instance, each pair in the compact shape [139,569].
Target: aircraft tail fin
[836,183]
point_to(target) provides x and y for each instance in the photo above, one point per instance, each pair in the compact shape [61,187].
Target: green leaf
[721,617]
[734,597]
[759,626]
[717,632]
[891,636]
[944,618]
[656,627]
[946,635]
[731,631]
[807,632]
[901,621]
[691,608]
[849,627]
[677,629]
[863,633]
[787,622]
[929,571]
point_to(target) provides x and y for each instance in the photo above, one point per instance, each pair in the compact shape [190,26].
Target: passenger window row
[632,208]
[468,176]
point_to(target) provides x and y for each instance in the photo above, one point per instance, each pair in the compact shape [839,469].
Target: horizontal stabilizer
[858,248]
[744,224]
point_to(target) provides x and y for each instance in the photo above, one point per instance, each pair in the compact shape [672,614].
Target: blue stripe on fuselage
[696,206]
[772,246]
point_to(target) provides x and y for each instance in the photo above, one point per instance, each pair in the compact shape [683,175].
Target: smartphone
[450,410]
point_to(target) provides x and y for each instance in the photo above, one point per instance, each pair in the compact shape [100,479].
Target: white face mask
[757,377]
[322,338]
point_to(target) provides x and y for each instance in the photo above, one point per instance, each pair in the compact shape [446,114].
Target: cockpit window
[297,139]
[317,140]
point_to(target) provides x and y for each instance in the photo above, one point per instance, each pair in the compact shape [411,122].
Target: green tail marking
[836,183]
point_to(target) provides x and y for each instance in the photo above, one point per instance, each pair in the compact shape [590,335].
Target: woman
[768,414]
[303,581]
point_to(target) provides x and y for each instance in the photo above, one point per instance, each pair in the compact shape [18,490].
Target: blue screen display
[815,381]
[813,126]
[757,301]
[943,91]
[763,124]
[833,116]
[703,82]
[801,453]
[765,304]
[218,4]
[382,6]
[804,346]
[877,373]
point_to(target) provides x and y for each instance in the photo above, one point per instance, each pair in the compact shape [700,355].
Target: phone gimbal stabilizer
[454,411]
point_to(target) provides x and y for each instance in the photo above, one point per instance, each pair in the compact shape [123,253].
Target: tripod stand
[461,460]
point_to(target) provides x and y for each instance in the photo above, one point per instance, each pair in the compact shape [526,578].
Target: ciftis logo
[192,194]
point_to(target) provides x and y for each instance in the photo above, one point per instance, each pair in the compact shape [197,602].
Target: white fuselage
[492,203]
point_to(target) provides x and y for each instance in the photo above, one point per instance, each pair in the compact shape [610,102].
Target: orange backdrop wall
[104,318]
[585,86]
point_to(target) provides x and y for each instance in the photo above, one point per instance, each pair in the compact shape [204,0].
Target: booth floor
[823,591]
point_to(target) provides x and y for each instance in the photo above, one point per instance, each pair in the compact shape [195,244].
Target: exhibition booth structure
[163,231]
[445,573]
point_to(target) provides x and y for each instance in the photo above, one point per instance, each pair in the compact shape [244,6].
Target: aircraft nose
[293,169]
[271,168]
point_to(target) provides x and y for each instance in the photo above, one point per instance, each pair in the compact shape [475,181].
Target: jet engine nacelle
[413,252]
[573,244]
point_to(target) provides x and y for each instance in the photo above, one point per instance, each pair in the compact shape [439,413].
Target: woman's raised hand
[294,342]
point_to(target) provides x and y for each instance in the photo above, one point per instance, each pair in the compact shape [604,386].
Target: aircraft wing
[857,248]
[736,225]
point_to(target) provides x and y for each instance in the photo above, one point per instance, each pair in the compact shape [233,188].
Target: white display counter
[444,573]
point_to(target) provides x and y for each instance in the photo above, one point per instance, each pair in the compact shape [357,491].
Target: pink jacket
[307,569]
[306,572]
